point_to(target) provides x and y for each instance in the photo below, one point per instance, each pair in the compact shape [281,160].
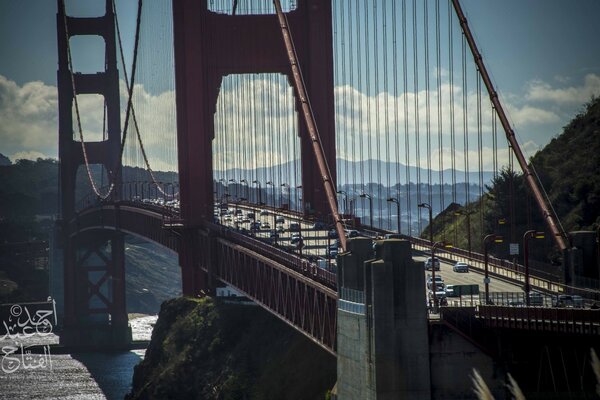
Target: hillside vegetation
[568,167]
[207,349]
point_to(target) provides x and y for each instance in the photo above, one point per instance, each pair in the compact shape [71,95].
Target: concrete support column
[383,345]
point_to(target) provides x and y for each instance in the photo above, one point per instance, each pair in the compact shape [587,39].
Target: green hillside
[568,167]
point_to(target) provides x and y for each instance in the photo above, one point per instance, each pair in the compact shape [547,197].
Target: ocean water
[93,375]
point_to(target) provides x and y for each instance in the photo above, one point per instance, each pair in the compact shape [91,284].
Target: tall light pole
[367,196]
[236,188]
[394,200]
[247,188]
[528,235]
[299,202]
[273,195]
[345,200]
[428,207]
[491,238]
[433,284]
[259,197]
[285,185]
[226,187]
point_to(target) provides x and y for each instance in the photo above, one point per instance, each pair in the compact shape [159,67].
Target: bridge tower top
[209,46]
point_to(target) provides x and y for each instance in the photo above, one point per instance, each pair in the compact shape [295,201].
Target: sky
[541,55]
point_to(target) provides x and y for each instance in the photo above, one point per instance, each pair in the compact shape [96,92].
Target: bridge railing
[580,321]
[279,255]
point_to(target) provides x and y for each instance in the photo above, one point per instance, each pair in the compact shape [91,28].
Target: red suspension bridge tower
[94,262]
[210,46]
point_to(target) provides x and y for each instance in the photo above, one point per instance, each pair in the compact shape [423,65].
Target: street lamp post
[366,195]
[428,207]
[528,235]
[273,196]
[247,196]
[236,187]
[259,197]
[299,204]
[486,278]
[345,200]
[285,185]
[393,200]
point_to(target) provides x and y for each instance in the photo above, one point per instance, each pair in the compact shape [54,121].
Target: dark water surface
[72,376]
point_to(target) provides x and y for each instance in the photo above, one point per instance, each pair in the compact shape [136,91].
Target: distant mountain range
[350,172]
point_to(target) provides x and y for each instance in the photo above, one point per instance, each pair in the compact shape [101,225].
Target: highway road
[316,243]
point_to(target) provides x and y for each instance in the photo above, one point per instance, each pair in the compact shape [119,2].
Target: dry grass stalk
[481,389]
[514,388]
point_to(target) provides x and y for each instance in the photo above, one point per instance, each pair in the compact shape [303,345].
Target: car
[294,226]
[279,219]
[319,225]
[266,225]
[439,281]
[255,225]
[393,236]
[440,294]
[352,233]
[250,215]
[332,234]
[239,212]
[280,228]
[436,264]
[460,267]
[296,238]
[567,300]
[263,213]
[536,299]
[274,236]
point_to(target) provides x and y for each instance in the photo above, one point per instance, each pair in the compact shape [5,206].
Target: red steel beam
[547,212]
[311,125]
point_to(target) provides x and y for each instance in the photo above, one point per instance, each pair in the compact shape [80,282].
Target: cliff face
[206,349]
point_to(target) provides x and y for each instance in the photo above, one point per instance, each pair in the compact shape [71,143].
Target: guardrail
[566,320]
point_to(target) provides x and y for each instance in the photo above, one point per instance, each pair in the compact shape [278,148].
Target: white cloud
[29,118]
[544,92]
[257,133]
[26,155]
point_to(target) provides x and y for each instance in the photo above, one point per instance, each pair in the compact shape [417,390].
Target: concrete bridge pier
[382,331]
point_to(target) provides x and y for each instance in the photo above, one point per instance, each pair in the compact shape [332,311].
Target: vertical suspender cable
[451,84]
[406,133]
[377,132]
[439,106]
[417,122]
[427,102]
[310,124]
[388,148]
[465,121]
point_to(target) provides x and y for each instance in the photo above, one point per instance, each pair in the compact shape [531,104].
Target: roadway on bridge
[317,242]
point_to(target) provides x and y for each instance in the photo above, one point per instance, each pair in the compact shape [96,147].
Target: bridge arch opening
[87,8]
[87,53]
[256,146]
[249,7]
